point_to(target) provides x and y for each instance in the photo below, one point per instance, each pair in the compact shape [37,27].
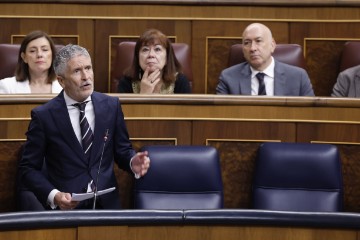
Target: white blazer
[11,86]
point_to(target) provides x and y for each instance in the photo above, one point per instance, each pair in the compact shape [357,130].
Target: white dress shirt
[268,79]
[74,114]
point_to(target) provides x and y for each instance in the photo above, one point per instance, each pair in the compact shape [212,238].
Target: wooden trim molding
[204,2]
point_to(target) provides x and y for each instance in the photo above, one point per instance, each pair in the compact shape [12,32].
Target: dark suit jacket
[50,137]
[348,83]
[288,80]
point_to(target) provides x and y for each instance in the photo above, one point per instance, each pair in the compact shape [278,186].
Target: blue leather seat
[298,177]
[180,177]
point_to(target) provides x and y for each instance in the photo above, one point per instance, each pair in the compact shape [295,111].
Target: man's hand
[63,201]
[140,163]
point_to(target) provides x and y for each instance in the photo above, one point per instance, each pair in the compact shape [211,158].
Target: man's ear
[60,80]
[273,45]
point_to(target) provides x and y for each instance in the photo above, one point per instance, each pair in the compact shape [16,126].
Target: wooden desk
[235,125]
[181,225]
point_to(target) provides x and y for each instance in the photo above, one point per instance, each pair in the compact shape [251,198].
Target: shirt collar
[69,101]
[269,71]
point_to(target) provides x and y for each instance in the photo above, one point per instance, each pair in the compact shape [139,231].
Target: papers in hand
[84,196]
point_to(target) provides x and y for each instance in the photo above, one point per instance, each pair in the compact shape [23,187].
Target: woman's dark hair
[152,37]
[22,68]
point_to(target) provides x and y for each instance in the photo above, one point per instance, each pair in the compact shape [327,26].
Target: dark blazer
[348,83]
[50,137]
[288,80]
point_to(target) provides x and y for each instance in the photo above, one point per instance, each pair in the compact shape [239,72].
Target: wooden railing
[208,27]
[235,125]
[231,224]
[205,2]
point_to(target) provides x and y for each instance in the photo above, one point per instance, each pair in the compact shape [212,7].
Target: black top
[182,84]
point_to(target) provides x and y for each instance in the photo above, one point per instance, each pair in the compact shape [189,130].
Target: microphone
[98,172]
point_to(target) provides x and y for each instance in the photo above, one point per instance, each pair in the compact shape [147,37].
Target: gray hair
[65,54]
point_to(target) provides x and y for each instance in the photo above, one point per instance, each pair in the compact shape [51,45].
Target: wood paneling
[351,178]
[185,232]
[41,234]
[237,167]
[209,30]
[237,143]
[235,125]
[179,132]
[323,54]
[9,155]
[14,129]
[216,57]
[204,3]
[155,11]
[213,232]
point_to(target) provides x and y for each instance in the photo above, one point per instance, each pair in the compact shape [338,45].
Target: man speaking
[78,135]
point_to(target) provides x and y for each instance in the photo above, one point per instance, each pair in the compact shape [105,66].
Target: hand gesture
[140,163]
[149,80]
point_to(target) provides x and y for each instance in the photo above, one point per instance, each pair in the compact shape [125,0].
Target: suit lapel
[61,118]
[279,80]
[245,80]
[101,110]
[357,84]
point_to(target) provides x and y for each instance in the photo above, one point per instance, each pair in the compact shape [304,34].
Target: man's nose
[84,74]
[252,46]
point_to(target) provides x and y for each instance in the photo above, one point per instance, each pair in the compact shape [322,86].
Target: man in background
[261,74]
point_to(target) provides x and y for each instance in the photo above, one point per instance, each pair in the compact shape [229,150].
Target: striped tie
[86,132]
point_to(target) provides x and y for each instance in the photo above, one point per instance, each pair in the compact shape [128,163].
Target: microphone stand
[98,172]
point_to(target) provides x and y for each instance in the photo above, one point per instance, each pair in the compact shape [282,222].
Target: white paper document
[84,196]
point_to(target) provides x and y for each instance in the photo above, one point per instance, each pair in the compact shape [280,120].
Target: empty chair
[291,54]
[298,177]
[125,54]
[350,56]
[180,177]
[8,59]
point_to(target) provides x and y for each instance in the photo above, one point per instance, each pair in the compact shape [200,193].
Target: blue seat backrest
[180,177]
[298,177]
